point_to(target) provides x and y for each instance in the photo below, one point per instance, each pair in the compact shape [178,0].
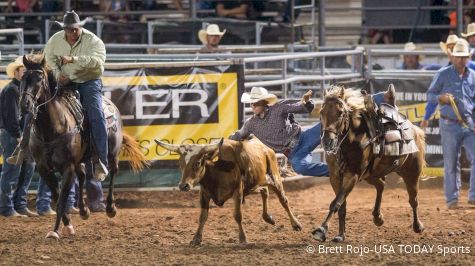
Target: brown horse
[348,146]
[58,145]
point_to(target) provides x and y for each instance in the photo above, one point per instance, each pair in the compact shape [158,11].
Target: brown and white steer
[230,169]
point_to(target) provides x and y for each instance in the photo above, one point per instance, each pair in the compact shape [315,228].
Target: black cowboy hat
[71,20]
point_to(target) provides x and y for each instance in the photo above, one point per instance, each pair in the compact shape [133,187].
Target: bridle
[343,128]
[44,89]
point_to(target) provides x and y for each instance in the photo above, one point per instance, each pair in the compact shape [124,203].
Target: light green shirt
[89,56]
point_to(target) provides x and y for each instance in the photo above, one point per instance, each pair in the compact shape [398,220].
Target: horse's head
[34,84]
[335,119]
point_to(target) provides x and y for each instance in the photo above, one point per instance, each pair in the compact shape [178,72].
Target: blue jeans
[301,155]
[43,199]
[9,176]
[24,180]
[454,136]
[91,100]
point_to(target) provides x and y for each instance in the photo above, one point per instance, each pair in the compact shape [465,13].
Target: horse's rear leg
[379,185]
[111,210]
[265,214]
[68,177]
[84,211]
[412,186]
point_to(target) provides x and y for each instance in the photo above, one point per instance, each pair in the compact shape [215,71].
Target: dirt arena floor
[156,228]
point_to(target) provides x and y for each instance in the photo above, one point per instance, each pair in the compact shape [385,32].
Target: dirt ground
[156,228]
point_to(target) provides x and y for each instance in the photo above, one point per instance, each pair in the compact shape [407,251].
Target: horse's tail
[132,149]
[421,144]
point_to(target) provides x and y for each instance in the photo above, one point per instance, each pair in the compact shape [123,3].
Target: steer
[230,169]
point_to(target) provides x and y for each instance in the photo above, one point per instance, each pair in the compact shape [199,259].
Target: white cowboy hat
[212,29]
[461,49]
[258,94]
[470,30]
[13,66]
[451,39]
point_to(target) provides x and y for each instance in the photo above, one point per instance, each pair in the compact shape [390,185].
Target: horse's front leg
[68,178]
[84,211]
[349,182]
[378,183]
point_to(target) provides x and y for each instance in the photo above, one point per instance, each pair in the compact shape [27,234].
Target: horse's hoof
[195,242]
[297,226]
[378,221]
[68,230]
[338,239]
[418,227]
[85,213]
[52,235]
[111,211]
[269,219]
[319,234]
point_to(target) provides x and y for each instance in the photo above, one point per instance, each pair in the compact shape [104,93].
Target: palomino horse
[348,146]
[58,144]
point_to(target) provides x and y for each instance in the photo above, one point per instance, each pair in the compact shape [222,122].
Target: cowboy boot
[17,157]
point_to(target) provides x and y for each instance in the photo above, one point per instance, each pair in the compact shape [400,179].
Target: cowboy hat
[211,29]
[410,47]
[451,39]
[13,66]
[461,49]
[71,20]
[258,94]
[470,30]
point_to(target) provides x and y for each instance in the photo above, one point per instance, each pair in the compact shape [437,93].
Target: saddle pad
[109,112]
[395,149]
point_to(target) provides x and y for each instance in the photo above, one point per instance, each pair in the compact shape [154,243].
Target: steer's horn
[170,147]
[213,147]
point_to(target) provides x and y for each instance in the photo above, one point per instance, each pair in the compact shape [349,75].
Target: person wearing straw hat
[412,61]
[448,45]
[270,124]
[14,180]
[210,37]
[470,36]
[453,90]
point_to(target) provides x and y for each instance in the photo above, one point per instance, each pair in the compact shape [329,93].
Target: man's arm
[52,61]
[240,11]
[433,95]
[96,57]
[242,133]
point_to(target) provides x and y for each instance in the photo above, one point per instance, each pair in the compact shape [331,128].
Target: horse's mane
[352,97]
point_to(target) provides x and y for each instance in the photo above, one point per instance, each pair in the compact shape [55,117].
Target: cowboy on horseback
[77,56]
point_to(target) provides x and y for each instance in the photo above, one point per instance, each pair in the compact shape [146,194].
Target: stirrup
[17,157]
[100,171]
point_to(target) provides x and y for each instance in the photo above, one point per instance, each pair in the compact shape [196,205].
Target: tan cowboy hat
[410,47]
[13,66]
[461,49]
[258,94]
[71,20]
[470,30]
[451,39]
[211,29]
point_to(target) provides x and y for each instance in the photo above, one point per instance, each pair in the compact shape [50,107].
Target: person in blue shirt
[457,129]
[412,61]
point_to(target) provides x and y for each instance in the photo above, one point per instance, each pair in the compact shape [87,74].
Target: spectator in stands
[233,9]
[412,62]
[287,17]
[210,38]
[379,36]
[115,6]
[448,45]
[14,180]
[452,89]
[470,36]
[22,6]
